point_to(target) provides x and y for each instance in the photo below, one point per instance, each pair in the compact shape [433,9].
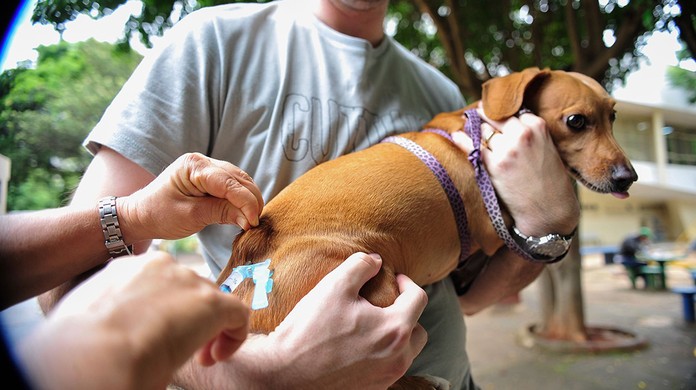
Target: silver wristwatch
[548,247]
[108,217]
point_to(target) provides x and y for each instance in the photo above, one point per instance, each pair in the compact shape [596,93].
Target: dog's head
[579,115]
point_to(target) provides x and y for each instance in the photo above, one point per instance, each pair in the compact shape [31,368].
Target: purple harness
[483,180]
[446,182]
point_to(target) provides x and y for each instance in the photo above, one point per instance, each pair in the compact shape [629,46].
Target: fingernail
[241,222]
[376,256]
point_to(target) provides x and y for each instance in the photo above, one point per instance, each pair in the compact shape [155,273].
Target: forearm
[40,250]
[252,367]
[505,274]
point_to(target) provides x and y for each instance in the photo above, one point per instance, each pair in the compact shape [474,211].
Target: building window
[681,146]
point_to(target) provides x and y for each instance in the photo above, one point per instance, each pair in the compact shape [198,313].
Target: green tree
[472,41]
[46,112]
[596,38]
[683,78]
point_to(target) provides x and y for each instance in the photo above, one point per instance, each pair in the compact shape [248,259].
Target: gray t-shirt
[274,91]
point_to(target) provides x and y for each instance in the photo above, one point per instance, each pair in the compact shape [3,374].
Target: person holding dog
[276,89]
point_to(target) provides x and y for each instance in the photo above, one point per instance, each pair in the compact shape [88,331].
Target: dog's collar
[483,180]
[448,186]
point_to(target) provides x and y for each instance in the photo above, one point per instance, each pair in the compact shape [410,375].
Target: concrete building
[660,139]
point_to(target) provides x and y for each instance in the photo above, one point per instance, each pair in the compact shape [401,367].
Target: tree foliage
[683,78]
[472,41]
[46,112]
[596,38]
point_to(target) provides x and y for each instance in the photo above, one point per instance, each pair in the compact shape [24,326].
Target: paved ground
[500,362]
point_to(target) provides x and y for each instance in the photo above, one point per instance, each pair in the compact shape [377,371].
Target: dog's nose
[622,177]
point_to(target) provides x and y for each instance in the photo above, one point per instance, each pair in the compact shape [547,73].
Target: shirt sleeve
[171,103]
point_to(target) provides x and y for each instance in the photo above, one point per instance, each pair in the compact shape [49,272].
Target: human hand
[132,325]
[192,193]
[334,337]
[527,173]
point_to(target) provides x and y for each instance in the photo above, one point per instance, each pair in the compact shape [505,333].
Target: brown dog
[385,200]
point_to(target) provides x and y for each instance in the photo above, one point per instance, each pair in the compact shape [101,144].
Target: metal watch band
[113,239]
[551,247]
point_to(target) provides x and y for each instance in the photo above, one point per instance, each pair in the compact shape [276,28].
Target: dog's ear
[502,96]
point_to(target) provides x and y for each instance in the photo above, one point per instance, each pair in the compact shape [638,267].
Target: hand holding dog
[388,338]
[195,191]
[528,174]
[332,338]
[132,325]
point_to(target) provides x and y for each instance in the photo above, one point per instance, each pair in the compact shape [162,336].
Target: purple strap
[473,128]
[447,185]
[483,180]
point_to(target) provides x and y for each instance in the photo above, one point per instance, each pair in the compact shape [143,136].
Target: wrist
[111,227]
[545,249]
[127,216]
[542,229]
[540,221]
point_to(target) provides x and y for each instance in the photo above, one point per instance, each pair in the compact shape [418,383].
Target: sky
[23,37]
[648,85]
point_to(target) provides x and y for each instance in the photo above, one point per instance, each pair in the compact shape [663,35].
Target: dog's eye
[576,122]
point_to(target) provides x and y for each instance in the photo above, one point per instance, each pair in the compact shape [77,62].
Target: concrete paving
[499,361]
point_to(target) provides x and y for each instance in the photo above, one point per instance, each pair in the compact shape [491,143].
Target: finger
[463,141]
[239,190]
[228,342]
[220,348]
[487,134]
[204,356]
[419,337]
[223,180]
[353,273]
[232,328]
[411,300]
[509,125]
[533,122]
[496,124]
[244,179]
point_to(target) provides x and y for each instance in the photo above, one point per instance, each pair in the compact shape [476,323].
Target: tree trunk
[562,308]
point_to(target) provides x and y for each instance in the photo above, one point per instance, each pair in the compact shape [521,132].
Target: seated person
[633,245]
[630,248]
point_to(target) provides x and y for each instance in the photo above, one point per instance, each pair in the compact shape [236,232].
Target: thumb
[354,272]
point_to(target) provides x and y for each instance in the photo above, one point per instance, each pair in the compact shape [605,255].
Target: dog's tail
[254,245]
[251,246]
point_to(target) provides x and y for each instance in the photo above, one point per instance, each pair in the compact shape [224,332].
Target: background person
[632,246]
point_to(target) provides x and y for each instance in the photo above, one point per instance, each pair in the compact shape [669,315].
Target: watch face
[551,248]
